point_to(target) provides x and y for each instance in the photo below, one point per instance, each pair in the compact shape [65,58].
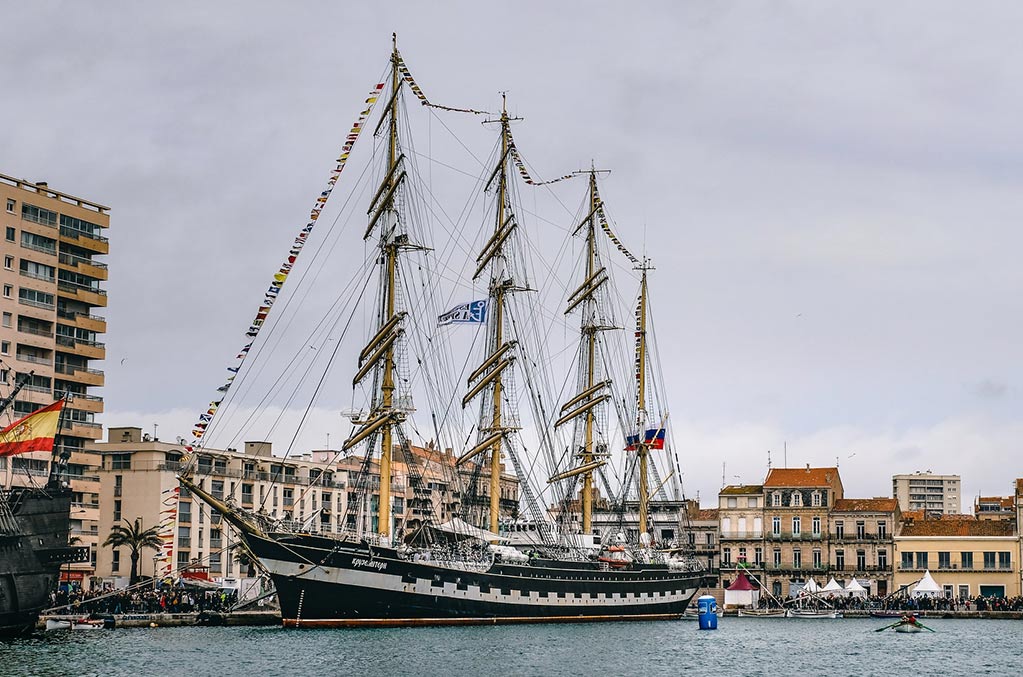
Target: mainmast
[490,372]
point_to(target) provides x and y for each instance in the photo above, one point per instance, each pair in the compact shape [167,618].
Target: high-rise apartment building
[51,279]
[934,494]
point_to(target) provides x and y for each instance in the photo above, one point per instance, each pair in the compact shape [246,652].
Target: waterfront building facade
[966,556]
[741,530]
[52,285]
[862,542]
[935,494]
[796,512]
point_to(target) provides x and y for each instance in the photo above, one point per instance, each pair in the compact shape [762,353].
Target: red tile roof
[744,489]
[957,525]
[706,515]
[800,477]
[866,505]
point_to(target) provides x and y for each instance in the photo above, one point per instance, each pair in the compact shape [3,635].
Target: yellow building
[862,543]
[51,283]
[741,530]
[967,557]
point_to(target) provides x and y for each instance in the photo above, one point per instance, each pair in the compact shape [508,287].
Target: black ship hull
[33,546]
[326,582]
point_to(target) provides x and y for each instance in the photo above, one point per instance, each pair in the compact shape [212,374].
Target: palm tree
[135,538]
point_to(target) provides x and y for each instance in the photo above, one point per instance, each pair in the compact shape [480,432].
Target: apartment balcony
[85,429]
[93,350]
[800,537]
[184,543]
[791,570]
[89,403]
[957,568]
[89,295]
[96,269]
[83,375]
[742,535]
[848,539]
[87,321]
[35,359]
[94,243]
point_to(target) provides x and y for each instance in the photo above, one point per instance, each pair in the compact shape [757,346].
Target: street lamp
[156,557]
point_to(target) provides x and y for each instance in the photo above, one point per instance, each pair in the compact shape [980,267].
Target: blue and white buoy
[708,607]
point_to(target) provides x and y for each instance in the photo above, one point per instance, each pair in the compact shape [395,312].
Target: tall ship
[35,521]
[594,438]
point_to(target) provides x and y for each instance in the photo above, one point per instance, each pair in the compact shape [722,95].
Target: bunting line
[607,229]
[406,75]
[525,174]
[167,523]
[199,429]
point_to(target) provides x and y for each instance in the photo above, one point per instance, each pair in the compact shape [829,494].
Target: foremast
[643,444]
[379,354]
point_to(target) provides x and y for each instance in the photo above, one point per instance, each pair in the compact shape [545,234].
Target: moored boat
[762,613]
[75,624]
[403,566]
[814,613]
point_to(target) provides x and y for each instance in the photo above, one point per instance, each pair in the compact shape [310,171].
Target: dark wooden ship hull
[325,582]
[32,550]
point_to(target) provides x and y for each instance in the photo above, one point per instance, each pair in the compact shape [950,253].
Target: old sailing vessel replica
[34,521]
[410,568]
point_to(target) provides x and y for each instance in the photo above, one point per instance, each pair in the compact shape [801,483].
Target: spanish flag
[34,432]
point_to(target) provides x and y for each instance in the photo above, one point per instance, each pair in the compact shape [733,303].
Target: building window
[839,529]
[777,557]
[882,530]
[9,262]
[7,319]
[882,559]
[816,526]
[120,461]
[921,560]
[709,535]
[115,563]
[38,215]
[758,556]
[8,291]
[754,502]
[840,559]
[967,560]
[5,347]
[907,560]
[10,206]
[797,558]
[944,560]
[11,233]
[861,529]
[816,558]
[776,526]
[1005,560]
[796,526]
[732,502]
[742,555]
[816,499]
[989,560]
[776,499]
[117,510]
[797,499]
[726,556]
[861,560]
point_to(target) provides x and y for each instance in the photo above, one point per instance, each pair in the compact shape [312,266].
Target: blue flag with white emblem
[473,312]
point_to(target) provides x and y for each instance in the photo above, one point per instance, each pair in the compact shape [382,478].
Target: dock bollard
[708,607]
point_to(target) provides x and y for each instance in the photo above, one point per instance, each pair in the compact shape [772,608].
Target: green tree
[135,538]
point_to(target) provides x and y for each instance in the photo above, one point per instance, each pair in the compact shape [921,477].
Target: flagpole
[58,459]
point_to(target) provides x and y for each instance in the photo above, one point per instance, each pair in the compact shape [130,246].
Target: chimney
[42,184]
[807,467]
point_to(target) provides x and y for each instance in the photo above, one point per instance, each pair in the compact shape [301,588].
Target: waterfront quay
[178,620]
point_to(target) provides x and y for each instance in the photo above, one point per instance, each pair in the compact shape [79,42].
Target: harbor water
[740,646]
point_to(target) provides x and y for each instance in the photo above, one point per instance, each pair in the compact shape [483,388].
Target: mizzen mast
[642,443]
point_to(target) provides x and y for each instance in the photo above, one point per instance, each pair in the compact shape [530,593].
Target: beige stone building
[52,285]
[967,557]
[314,492]
[862,546]
[936,494]
[741,530]
[798,502]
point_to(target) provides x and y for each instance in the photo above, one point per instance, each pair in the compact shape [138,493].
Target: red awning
[743,583]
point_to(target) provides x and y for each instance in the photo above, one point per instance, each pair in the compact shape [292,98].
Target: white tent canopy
[811,587]
[854,589]
[927,587]
[832,586]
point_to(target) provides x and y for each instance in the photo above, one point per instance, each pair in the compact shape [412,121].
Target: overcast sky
[831,190]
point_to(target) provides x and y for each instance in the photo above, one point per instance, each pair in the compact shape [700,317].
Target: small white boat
[811,613]
[73,624]
[693,613]
[908,627]
[762,613]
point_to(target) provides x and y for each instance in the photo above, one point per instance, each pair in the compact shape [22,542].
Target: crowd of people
[164,599]
[908,603]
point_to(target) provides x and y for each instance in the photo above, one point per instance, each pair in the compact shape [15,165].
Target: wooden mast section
[590,332]
[642,446]
[490,372]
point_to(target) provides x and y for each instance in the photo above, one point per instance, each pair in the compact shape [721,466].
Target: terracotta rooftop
[706,515]
[734,489]
[866,505]
[959,526]
[800,477]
